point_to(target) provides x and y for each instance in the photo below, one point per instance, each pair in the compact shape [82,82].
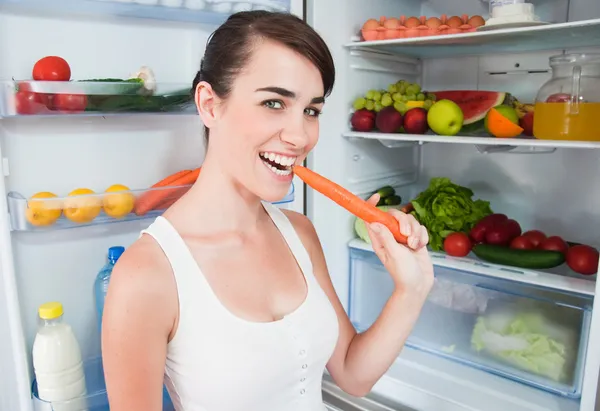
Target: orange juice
[556,121]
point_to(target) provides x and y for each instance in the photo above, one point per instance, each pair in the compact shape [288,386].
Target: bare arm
[359,360]
[139,314]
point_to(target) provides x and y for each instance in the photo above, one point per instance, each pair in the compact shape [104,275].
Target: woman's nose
[295,133]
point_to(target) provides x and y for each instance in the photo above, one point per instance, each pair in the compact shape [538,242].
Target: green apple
[445,118]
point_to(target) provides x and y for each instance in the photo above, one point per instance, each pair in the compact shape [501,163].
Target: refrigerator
[543,184]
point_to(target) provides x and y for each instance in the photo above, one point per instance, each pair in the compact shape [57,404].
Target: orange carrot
[169,179]
[354,204]
[151,199]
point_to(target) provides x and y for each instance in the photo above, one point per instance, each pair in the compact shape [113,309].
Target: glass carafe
[567,107]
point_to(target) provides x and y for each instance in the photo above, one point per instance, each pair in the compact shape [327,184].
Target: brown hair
[229,48]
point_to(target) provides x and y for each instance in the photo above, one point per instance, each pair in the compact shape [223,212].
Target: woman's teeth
[277,163]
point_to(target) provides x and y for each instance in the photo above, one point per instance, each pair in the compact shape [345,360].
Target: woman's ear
[206,102]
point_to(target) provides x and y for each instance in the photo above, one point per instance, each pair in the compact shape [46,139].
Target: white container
[57,359]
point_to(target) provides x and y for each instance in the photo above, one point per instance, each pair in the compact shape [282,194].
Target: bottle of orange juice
[567,107]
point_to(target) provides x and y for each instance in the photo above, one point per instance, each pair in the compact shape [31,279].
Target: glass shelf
[585,33]
[55,213]
[210,12]
[27,98]
[394,140]
[561,278]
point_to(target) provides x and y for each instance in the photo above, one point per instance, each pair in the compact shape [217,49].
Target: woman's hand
[409,265]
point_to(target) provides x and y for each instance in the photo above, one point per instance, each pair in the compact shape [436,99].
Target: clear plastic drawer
[529,334]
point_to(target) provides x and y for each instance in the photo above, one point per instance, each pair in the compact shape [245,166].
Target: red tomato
[583,259]
[554,243]
[535,236]
[478,232]
[27,102]
[513,228]
[457,244]
[51,68]
[522,243]
[493,219]
[46,99]
[69,102]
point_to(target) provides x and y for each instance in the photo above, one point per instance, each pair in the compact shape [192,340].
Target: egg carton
[387,28]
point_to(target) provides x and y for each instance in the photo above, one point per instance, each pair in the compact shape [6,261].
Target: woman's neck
[218,204]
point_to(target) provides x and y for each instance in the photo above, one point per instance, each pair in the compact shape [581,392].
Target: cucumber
[392,200]
[386,191]
[535,259]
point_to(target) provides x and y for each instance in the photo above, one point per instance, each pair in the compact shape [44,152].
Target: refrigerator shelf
[43,214]
[399,140]
[531,335]
[585,33]
[96,398]
[27,98]
[210,12]
[561,278]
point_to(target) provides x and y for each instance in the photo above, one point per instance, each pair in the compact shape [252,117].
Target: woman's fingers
[411,228]
[374,199]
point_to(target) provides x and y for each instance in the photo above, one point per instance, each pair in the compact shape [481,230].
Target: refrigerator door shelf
[55,213]
[212,12]
[96,399]
[27,98]
[534,336]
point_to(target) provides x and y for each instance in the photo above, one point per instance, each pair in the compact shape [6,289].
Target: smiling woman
[226,298]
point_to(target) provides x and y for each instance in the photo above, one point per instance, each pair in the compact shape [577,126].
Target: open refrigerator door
[475,345]
[82,159]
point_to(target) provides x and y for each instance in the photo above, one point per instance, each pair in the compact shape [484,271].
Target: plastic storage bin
[528,334]
[96,399]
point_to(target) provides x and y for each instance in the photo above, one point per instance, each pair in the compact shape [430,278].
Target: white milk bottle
[57,361]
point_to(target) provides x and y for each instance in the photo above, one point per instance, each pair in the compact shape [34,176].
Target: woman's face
[268,122]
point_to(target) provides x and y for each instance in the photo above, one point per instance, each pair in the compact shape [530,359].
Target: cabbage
[445,207]
[537,337]
[361,229]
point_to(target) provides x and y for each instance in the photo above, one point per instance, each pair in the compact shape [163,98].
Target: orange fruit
[500,126]
[119,203]
[82,206]
[41,213]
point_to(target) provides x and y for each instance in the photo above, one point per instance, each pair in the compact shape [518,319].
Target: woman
[226,298]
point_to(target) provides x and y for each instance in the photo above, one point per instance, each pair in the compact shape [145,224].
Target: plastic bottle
[102,280]
[57,359]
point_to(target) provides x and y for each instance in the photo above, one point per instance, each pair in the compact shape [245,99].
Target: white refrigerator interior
[543,184]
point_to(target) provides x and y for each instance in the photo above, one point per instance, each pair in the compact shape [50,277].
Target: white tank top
[220,362]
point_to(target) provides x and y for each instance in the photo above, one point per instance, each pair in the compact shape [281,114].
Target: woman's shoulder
[142,278]
[306,231]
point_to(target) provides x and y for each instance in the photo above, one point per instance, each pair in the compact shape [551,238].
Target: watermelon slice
[474,103]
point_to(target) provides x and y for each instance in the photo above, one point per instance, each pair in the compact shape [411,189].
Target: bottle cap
[50,311]
[115,252]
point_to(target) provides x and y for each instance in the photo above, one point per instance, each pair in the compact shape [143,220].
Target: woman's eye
[274,104]
[312,112]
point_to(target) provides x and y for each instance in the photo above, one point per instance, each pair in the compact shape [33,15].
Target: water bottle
[102,280]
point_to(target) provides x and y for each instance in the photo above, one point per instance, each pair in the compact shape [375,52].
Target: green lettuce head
[445,207]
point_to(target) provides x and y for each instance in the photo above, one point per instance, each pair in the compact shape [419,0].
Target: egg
[412,22]
[433,22]
[371,24]
[454,22]
[392,23]
[476,21]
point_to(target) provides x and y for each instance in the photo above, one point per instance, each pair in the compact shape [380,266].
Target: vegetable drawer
[529,334]
[96,398]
